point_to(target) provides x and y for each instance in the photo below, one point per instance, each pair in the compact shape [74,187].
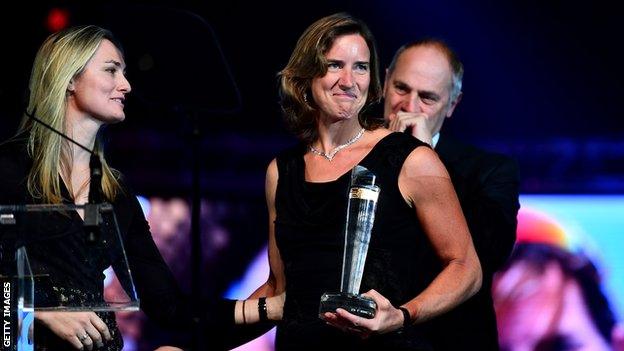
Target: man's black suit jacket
[487,187]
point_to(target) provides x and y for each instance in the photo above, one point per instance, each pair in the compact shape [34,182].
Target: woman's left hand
[387,318]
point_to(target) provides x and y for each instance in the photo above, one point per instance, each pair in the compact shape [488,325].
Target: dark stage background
[543,84]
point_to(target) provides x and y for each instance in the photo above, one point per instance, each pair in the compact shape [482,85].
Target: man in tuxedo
[422,89]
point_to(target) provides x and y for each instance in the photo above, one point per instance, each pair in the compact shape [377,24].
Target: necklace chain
[330,155]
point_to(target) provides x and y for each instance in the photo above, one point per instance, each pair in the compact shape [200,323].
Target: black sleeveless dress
[309,234]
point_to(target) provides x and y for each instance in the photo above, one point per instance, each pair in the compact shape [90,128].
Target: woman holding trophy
[331,78]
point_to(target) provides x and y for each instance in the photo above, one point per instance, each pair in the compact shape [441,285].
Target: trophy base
[355,304]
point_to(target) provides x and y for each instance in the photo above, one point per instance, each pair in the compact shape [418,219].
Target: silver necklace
[330,155]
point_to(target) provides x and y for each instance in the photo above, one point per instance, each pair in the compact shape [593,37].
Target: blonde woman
[77,85]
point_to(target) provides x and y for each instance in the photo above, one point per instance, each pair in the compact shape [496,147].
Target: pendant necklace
[330,155]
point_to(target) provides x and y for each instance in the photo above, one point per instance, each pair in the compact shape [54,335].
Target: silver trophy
[363,195]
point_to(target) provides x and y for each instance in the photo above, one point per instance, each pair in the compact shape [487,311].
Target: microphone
[92,218]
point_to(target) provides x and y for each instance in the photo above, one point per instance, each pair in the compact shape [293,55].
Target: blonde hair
[61,57]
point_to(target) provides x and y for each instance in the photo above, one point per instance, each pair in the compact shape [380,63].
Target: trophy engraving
[363,195]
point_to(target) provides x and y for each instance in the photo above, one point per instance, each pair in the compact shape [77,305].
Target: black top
[309,232]
[81,268]
[487,187]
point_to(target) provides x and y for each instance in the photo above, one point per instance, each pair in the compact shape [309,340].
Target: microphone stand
[196,254]
[192,114]
[92,217]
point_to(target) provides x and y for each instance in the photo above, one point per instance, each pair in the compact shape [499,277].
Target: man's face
[420,83]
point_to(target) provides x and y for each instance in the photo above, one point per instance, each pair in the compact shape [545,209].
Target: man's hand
[419,124]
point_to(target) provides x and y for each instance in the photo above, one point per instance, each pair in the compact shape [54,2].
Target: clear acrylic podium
[52,260]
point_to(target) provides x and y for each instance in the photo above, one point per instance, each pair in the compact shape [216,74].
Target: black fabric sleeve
[492,214]
[162,300]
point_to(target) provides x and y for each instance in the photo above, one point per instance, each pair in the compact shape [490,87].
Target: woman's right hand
[84,330]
